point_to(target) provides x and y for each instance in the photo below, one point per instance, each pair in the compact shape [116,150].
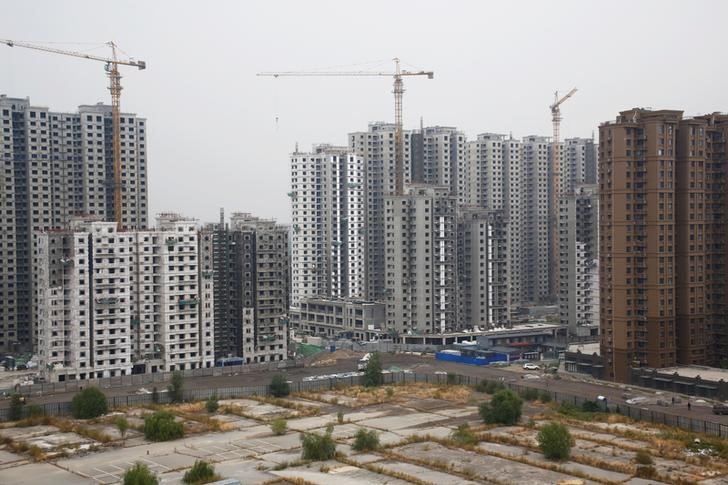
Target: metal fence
[155,378]
[634,412]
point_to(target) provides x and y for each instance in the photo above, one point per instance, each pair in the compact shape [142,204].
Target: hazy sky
[213,136]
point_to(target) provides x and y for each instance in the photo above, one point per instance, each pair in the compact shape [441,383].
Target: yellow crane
[398,91]
[555,192]
[112,71]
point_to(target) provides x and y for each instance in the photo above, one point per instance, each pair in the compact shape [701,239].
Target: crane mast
[555,187]
[112,71]
[398,92]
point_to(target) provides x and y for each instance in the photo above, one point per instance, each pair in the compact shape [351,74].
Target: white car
[529,366]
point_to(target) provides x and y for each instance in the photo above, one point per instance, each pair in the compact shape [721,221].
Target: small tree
[279,386]
[122,425]
[89,403]
[318,447]
[555,441]
[161,426]
[15,413]
[175,387]
[201,472]
[140,474]
[373,373]
[464,435]
[503,408]
[34,410]
[155,395]
[279,426]
[212,405]
[340,417]
[590,407]
[365,440]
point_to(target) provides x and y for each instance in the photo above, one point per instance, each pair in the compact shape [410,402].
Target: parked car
[720,408]
[530,366]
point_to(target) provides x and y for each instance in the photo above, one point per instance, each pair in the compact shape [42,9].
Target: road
[574,384]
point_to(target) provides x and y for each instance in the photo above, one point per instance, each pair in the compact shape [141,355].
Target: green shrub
[17,402]
[373,373]
[201,472]
[544,396]
[175,388]
[643,457]
[140,474]
[464,435]
[529,394]
[161,426]
[555,441]
[340,417]
[212,405]
[503,408]
[279,386]
[279,426]
[155,395]
[122,425]
[89,403]
[365,440]
[317,447]
[590,407]
[34,410]
[489,387]
[452,379]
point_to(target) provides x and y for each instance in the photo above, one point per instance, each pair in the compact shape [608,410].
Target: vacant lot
[414,424]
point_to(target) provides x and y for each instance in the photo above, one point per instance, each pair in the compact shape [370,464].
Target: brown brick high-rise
[662,240]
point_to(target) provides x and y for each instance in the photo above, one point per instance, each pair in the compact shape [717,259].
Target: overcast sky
[220,136]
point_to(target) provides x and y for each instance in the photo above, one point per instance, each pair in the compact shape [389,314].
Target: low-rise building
[339,318]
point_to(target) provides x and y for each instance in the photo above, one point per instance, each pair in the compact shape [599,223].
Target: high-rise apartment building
[115,303]
[482,268]
[511,175]
[437,157]
[249,262]
[329,224]
[578,163]
[579,261]
[56,166]
[662,239]
[376,149]
[535,155]
[421,255]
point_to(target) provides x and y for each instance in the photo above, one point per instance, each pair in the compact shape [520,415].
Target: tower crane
[398,91]
[555,191]
[112,71]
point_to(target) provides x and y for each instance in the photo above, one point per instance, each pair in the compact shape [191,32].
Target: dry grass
[301,409]
[393,393]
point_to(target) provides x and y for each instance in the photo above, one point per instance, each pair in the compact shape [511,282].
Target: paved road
[569,383]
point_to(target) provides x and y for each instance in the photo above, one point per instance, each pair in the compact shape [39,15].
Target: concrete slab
[463,412]
[481,465]
[22,434]
[278,457]
[365,458]
[313,422]
[52,441]
[427,404]
[40,474]
[643,481]
[402,421]
[336,475]
[356,416]
[244,470]
[7,458]
[421,473]
[436,432]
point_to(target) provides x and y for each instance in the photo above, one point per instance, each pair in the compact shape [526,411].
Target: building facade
[421,249]
[662,239]
[482,269]
[329,224]
[249,262]
[57,166]
[579,261]
[114,303]
[339,318]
